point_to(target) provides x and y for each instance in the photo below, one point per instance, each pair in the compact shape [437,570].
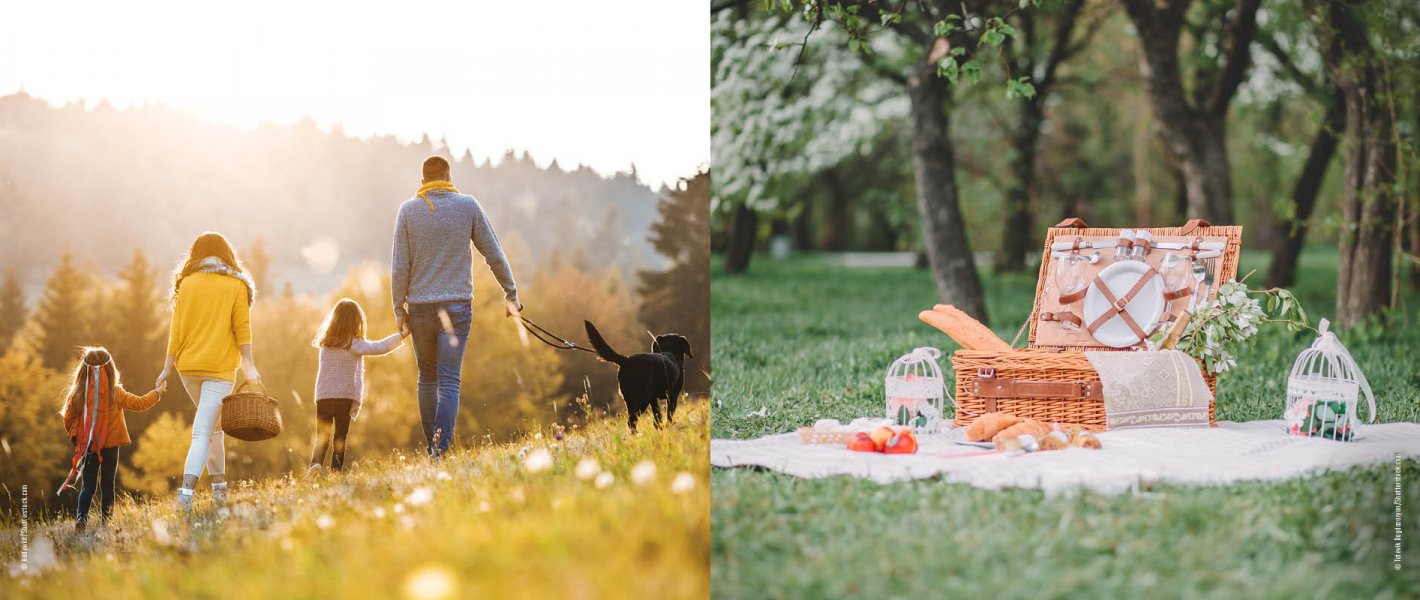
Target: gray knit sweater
[342,371]
[432,259]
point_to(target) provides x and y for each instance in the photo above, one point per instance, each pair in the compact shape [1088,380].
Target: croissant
[1085,439]
[1026,427]
[985,427]
[1055,440]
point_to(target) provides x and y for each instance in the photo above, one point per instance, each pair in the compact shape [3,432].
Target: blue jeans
[438,349]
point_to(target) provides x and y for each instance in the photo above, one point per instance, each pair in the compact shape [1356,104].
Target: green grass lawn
[483,523]
[802,339]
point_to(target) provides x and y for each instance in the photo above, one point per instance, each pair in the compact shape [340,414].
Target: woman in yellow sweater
[209,338]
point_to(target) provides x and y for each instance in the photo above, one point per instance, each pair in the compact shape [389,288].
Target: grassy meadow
[588,513]
[802,339]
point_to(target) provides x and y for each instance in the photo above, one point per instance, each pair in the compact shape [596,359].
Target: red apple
[904,442]
[862,442]
[881,436]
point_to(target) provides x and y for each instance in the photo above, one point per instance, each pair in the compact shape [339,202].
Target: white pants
[207,393]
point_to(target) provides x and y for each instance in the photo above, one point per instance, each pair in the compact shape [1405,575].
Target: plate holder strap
[1117,305]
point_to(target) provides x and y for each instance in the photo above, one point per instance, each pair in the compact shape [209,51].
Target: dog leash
[542,335]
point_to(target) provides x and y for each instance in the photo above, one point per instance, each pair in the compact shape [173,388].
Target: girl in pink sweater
[340,382]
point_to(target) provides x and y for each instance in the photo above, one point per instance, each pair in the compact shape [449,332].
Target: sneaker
[314,470]
[80,525]
[219,493]
[184,500]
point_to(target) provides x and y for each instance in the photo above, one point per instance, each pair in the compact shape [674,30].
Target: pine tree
[12,308]
[135,313]
[257,262]
[60,316]
[677,300]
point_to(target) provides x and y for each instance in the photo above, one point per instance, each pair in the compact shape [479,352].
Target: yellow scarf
[442,186]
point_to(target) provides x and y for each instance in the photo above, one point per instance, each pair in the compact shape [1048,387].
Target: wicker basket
[250,416]
[1052,381]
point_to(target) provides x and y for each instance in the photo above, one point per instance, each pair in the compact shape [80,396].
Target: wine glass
[1178,273]
[1069,278]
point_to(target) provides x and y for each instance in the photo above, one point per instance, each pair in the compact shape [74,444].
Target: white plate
[1146,308]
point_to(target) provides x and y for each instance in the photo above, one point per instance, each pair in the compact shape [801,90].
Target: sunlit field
[588,512]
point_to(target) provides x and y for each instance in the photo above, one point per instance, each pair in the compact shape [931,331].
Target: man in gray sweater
[431,284]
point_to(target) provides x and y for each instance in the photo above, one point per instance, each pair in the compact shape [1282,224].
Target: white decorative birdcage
[916,391]
[1323,390]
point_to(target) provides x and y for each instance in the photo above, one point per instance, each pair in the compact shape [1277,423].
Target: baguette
[967,332]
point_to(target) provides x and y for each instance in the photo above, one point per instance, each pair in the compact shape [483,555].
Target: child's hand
[162,386]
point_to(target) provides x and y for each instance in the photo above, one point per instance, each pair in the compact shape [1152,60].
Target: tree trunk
[943,228]
[1017,235]
[1194,132]
[1368,201]
[838,222]
[744,229]
[1288,246]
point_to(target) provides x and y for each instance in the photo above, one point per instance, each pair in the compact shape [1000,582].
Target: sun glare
[588,87]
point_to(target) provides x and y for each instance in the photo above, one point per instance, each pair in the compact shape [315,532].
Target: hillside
[99,181]
[597,512]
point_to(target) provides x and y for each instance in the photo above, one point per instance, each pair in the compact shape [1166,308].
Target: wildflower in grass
[420,496]
[643,472]
[406,522]
[588,468]
[604,479]
[160,532]
[325,522]
[379,512]
[483,507]
[683,482]
[538,461]
[398,508]
[430,582]
[443,476]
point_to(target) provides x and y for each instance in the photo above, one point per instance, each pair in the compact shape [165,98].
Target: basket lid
[1072,234]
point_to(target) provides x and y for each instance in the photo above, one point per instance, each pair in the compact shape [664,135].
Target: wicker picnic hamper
[250,415]
[1051,380]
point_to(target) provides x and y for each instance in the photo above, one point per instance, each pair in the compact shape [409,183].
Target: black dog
[647,377]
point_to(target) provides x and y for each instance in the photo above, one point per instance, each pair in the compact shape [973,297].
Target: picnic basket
[1051,380]
[250,416]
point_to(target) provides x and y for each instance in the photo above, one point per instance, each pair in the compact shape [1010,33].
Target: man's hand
[162,386]
[401,322]
[513,308]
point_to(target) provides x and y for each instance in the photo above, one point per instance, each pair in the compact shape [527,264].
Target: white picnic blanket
[1230,452]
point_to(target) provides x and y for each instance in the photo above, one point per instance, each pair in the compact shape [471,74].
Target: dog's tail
[603,349]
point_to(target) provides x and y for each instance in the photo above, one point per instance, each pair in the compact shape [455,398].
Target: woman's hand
[163,375]
[249,365]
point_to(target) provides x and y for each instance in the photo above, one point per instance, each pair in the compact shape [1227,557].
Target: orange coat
[117,426]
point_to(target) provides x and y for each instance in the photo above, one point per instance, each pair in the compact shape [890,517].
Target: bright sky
[601,83]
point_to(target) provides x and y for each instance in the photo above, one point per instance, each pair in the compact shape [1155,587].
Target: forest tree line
[971,125]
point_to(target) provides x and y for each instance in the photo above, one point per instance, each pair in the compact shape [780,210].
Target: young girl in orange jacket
[93,416]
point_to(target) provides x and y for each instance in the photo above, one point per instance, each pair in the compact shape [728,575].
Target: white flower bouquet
[1223,324]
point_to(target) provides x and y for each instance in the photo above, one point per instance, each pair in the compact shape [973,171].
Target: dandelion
[429,583]
[643,472]
[160,532]
[443,476]
[420,496]
[325,522]
[604,479]
[379,512]
[398,508]
[588,468]
[538,461]
[683,482]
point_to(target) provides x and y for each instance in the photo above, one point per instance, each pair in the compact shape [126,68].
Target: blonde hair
[344,324]
[90,356]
